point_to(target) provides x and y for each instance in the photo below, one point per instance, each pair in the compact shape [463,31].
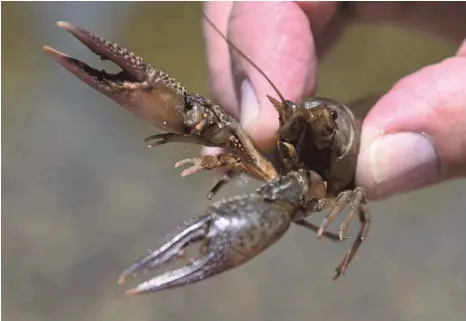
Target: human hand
[415,135]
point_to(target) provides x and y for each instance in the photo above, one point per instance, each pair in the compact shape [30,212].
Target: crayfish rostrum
[318,144]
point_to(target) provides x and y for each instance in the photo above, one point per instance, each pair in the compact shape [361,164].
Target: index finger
[278,38]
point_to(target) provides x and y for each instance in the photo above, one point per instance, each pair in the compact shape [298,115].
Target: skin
[279,37]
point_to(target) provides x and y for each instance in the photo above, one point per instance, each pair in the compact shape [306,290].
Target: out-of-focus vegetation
[83,197]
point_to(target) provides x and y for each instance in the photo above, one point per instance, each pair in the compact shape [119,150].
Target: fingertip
[319,13]
[278,38]
[260,125]
[264,131]
[462,50]
[218,55]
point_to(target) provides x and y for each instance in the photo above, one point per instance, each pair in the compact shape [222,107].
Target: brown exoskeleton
[318,141]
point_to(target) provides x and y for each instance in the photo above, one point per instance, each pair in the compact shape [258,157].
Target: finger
[218,61]
[218,55]
[416,134]
[278,38]
[462,51]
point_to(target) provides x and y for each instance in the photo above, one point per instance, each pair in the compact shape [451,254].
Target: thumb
[416,134]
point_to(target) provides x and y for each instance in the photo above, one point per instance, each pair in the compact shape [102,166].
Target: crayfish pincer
[231,232]
[160,100]
[318,144]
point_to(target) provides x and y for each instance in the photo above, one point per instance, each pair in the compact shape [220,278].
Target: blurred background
[83,197]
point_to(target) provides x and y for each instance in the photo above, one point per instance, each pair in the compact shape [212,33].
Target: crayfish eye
[290,104]
[334,115]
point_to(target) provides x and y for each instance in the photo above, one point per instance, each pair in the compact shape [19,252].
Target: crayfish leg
[225,179]
[365,220]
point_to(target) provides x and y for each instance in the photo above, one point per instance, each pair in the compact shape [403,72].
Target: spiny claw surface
[133,67]
[140,88]
[160,100]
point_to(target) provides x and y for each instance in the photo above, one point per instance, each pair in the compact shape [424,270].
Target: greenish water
[83,196]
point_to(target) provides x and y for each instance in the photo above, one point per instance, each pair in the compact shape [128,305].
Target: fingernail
[249,104]
[402,162]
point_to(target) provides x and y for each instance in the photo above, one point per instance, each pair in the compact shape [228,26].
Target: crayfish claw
[160,139]
[139,87]
[185,275]
[232,232]
[107,50]
[173,248]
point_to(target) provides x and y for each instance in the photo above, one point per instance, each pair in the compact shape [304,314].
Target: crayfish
[318,144]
